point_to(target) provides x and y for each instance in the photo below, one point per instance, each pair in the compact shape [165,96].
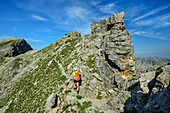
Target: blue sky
[42,22]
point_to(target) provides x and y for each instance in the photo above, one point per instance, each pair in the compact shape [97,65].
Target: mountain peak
[13,46]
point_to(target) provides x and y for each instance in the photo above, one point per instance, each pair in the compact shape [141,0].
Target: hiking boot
[77,92]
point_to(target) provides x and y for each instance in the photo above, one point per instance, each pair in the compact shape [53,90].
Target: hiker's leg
[74,85]
[78,86]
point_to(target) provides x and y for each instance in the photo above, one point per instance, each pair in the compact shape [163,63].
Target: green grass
[91,61]
[84,106]
[98,96]
[78,105]
[65,108]
[18,62]
[10,109]
[15,73]
[157,70]
[61,89]
[47,77]
[2,59]
[132,79]
[67,91]
[79,97]
[96,71]
[94,37]
[5,43]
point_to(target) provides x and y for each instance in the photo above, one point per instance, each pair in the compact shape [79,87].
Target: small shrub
[98,96]
[15,73]
[61,89]
[67,91]
[79,97]
[157,72]
[78,105]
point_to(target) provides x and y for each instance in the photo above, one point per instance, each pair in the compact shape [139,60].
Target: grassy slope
[31,92]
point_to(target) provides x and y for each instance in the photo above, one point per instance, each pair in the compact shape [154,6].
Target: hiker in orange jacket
[76,79]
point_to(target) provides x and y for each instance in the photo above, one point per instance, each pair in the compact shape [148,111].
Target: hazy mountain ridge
[149,63]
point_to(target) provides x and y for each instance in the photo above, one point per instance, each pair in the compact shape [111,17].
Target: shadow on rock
[152,99]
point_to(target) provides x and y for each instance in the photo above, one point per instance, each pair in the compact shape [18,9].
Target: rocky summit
[41,80]
[13,47]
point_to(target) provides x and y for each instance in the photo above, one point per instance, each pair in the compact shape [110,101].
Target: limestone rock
[13,47]
[52,102]
[113,50]
[151,92]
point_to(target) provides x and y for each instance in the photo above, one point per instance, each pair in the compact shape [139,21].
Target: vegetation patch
[78,105]
[15,73]
[2,59]
[84,106]
[61,89]
[10,108]
[91,61]
[132,79]
[18,62]
[67,91]
[99,95]
[157,72]
[65,108]
[5,43]
[159,68]
[94,37]
[79,97]
[96,71]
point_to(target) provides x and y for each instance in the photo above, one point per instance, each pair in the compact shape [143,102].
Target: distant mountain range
[142,64]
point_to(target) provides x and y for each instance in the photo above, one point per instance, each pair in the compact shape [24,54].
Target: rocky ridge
[41,81]
[13,47]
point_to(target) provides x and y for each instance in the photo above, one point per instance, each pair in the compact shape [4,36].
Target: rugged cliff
[41,80]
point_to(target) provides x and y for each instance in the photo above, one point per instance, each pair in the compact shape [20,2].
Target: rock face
[13,47]
[150,94]
[113,50]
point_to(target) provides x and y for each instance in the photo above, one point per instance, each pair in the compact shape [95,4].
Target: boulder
[52,102]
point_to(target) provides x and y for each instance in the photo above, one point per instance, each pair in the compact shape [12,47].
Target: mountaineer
[76,79]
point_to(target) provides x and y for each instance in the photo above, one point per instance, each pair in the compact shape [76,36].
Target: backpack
[77,76]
